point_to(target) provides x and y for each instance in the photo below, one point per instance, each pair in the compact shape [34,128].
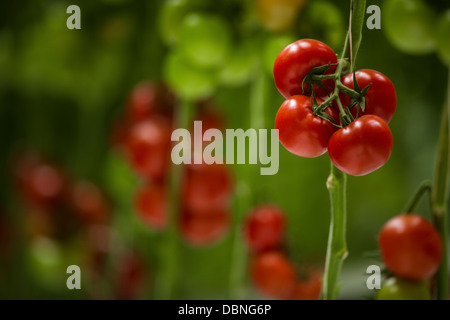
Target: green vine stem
[337,180]
[439,197]
[168,266]
[414,201]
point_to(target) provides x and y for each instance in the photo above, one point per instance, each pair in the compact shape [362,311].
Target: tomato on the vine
[206,187]
[89,203]
[272,47]
[296,60]
[148,147]
[362,147]
[300,131]
[151,205]
[204,229]
[273,275]
[400,289]
[264,228]
[411,247]
[380,99]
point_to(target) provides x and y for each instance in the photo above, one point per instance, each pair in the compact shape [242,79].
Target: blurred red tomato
[309,288]
[151,205]
[131,277]
[205,229]
[89,203]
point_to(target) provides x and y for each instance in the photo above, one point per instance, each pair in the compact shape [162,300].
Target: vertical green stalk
[337,180]
[166,285]
[439,198]
[243,200]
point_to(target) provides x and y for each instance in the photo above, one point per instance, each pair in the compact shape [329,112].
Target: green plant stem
[337,246]
[166,285]
[337,180]
[411,205]
[439,198]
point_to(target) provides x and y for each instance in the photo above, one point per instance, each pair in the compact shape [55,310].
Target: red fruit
[143,101]
[308,289]
[89,203]
[131,277]
[411,247]
[362,147]
[151,205]
[149,146]
[380,99]
[264,228]
[296,60]
[206,187]
[300,131]
[273,275]
[202,230]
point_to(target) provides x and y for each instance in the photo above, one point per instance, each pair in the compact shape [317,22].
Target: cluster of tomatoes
[145,138]
[412,250]
[272,274]
[352,124]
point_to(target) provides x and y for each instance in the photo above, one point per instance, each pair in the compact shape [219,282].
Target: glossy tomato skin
[273,275]
[362,147]
[400,289]
[296,60]
[264,228]
[151,205]
[148,147]
[206,187]
[381,99]
[205,229]
[300,131]
[410,247]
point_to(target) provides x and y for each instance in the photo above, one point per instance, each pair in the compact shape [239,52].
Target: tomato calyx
[316,76]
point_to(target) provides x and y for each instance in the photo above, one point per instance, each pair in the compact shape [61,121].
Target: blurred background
[84,161]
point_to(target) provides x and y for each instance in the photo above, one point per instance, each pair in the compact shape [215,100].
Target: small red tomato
[151,204]
[89,203]
[411,247]
[264,228]
[381,99]
[206,187]
[203,230]
[296,60]
[143,101]
[131,279]
[362,147]
[300,131]
[148,147]
[273,275]
[308,289]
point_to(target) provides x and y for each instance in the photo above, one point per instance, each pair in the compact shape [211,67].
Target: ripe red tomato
[148,147]
[205,229]
[206,187]
[264,228]
[273,275]
[300,131]
[142,101]
[131,277]
[151,205]
[296,60]
[410,246]
[308,289]
[381,99]
[362,147]
[89,203]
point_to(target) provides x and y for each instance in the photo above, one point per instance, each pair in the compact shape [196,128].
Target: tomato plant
[399,289]
[410,246]
[273,275]
[300,131]
[362,147]
[264,228]
[380,99]
[272,47]
[296,60]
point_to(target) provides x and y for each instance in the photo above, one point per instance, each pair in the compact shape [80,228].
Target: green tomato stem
[439,198]
[166,285]
[414,201]
[337,246]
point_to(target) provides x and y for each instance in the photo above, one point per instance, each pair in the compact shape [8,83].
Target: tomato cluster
[351,124]
[272,274]
[412,250]
[146,141]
